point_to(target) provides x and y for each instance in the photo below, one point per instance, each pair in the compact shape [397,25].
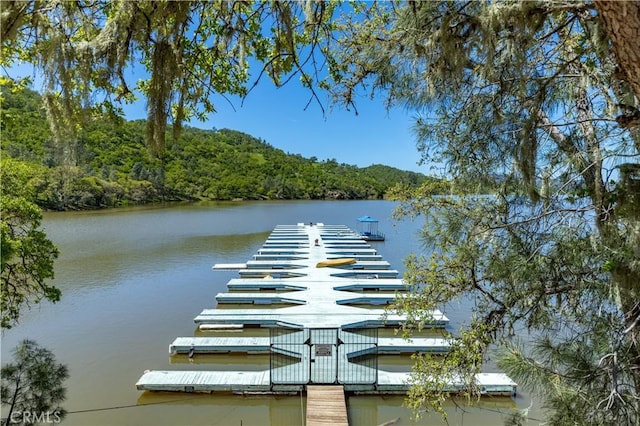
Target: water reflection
[244,332]
[224,362]
[391,410]
[226,408]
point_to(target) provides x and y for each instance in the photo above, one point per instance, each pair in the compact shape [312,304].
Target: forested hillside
[110,164]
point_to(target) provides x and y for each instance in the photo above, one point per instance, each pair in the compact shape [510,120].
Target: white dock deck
[260,381]
[296,317]
[229,266]
[262,284]
[257,299]
[284,272]
[270,273]
[212,345]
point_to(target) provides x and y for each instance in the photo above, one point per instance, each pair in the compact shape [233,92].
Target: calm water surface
[134,279]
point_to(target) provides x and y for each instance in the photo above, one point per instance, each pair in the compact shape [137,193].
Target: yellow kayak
[335,262]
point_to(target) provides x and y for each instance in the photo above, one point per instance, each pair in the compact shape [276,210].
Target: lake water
[133,280]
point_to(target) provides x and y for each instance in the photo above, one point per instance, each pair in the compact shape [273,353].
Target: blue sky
[278,116]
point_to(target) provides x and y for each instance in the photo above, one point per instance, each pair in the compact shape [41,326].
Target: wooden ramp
[326,406]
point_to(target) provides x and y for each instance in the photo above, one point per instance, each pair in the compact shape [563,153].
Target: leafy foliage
[32,386]
[114,166]
[193,51]
[525,94]
[27,255]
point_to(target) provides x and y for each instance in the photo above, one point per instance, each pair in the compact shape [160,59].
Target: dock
[262,345]
[320,319]
[326,405]
[259,382]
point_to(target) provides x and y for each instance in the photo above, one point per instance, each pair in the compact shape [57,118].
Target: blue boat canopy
[367,219]
[368,229]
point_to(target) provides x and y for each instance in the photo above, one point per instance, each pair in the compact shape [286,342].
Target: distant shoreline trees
[113,166]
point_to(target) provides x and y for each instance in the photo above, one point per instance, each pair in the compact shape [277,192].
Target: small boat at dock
[336,262]
[368,229]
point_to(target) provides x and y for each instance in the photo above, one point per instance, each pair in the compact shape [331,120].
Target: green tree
[193,51]
[32,386]
[114,166]
[26,253]
[525,95]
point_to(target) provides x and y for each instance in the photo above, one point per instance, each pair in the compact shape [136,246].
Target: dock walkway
[262,345]
[323,322]
[326,406]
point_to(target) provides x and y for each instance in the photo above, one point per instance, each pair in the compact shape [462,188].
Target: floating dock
[321,318]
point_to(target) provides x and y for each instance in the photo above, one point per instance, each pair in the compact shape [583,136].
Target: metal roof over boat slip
[308,298]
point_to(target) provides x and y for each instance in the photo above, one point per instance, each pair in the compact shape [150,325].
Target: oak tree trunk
[621,19]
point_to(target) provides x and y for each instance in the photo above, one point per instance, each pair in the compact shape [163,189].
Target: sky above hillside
[278,116]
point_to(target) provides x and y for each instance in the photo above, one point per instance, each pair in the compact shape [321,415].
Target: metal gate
[358,352]
[324,356]
[289,356]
